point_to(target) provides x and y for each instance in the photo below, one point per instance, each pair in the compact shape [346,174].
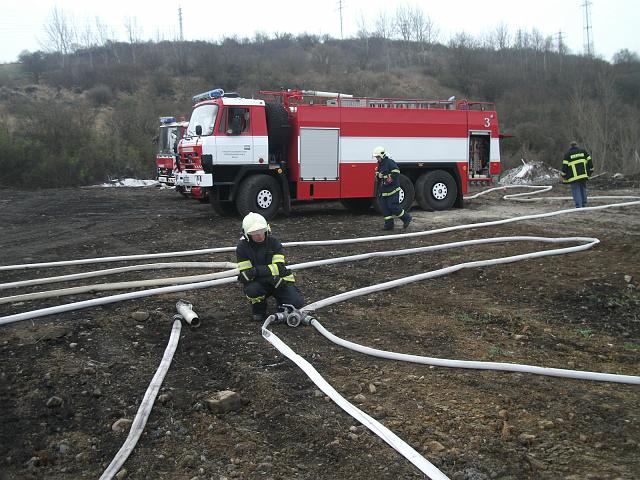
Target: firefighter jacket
[388,177]
[262,261]
[576,165]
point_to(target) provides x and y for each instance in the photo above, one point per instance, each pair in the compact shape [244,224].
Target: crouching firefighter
[388,177]
[263,271]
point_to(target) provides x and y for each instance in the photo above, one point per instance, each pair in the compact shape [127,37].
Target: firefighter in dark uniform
[577,167]
[388,177]
[263,271]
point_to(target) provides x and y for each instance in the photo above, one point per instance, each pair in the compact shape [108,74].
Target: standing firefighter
[387,175]
[576,169]
[263,271]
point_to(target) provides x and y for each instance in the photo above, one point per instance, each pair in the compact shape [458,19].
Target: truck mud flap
[286,195]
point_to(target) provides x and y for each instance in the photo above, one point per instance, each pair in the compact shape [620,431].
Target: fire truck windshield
[205,116]
[168,137]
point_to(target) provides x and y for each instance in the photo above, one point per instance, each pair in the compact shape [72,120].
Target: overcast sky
[614,22]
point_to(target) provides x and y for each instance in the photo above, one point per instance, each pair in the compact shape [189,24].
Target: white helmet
[254,223]
[379,152]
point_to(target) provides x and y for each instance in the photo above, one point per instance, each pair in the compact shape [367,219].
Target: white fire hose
[185,313]
[118,286]
[113,271]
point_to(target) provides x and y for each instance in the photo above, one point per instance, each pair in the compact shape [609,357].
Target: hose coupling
[283,313]
[307,318]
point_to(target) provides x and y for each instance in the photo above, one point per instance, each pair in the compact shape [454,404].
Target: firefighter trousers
[258,291]
[579,193]
[390,206]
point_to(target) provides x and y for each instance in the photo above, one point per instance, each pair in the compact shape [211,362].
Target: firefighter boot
[259,311]
[388,224]
[406,220]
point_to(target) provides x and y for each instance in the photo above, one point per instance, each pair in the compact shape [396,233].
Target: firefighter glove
[248,275]
[283,271]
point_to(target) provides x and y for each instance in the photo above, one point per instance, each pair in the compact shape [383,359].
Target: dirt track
[575,311]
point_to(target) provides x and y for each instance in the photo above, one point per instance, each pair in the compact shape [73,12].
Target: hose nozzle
[188,315]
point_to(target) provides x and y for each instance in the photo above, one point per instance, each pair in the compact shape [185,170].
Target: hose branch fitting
[291,316]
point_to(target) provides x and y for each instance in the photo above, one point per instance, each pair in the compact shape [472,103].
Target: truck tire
[357,205]
[182,191]
[221,207]
[436,190]
[260,194]
[407,195]
[277,126]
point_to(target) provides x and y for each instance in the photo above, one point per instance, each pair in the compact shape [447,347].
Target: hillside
[85,116]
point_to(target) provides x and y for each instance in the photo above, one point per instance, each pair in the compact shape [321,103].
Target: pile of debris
[128,182]
[531,172]
[617,180]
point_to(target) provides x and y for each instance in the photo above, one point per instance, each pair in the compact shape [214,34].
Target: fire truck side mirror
[198,130]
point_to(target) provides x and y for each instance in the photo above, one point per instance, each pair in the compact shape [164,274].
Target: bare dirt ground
[577,311]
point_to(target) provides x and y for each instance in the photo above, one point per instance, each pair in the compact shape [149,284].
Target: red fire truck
[169,134]
[260,154]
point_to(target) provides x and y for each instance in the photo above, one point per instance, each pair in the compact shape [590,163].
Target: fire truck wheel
[222,208]
[260,194]
[407,195]
[436,190]
[356,205]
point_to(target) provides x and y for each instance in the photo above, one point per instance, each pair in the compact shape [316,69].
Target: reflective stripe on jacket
[266,257]
[387,168]
[576,165]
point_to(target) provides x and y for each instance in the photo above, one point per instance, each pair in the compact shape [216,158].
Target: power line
[180,20]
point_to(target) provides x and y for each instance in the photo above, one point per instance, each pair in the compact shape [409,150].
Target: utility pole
[561,48]
[588,35]
[180,21]
[340,7]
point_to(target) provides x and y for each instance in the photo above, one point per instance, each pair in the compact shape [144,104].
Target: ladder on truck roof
[305,97]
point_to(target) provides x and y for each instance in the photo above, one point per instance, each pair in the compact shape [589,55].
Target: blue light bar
[167,119]
[215,93]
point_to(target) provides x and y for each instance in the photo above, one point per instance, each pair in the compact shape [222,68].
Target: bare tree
[60,34]
[521,39]
[423,28]
[595,123]
[86,36]
[502,36]
[363,53]
[363,30]
[87,40]
[104,34]
[537,40]
[402,22]
[133,34]
[384,26]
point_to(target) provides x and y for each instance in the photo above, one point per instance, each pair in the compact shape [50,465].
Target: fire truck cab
[169,134]
[260,154]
